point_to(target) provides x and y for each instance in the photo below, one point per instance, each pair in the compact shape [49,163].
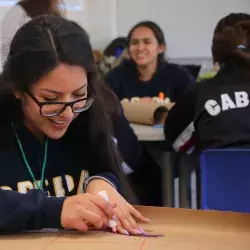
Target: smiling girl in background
[55,135]
[147,74]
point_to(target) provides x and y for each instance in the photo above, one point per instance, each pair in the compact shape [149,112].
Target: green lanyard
[38,185]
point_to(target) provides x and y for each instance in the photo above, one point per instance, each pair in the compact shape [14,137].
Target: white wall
[98,17]
[102,21]
[76,10]
[80,14]
[188,24]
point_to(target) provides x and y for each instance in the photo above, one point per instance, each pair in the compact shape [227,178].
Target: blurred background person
[112,55]
[21,13]
[214,113]
[147,73]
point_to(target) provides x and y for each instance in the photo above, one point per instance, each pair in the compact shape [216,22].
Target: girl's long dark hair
[37,48]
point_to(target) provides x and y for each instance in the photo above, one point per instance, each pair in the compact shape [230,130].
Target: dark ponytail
[232,44]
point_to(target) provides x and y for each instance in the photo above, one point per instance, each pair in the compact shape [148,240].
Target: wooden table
[182,229]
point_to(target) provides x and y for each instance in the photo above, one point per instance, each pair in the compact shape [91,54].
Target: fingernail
[138,231]
[148,220]
[114,217]
[142,231]
[125,232]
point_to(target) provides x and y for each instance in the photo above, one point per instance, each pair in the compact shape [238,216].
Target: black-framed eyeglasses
[50,109]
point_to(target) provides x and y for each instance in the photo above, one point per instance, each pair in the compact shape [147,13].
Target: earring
[18,96]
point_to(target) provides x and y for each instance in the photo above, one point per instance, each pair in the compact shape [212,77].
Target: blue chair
[225,180]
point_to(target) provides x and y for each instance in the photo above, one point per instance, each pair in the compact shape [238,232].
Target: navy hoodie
[213,113]
[22,207]
[171,79]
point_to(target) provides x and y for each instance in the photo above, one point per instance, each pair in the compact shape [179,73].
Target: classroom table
[147,133]
[152,139]
[180,229]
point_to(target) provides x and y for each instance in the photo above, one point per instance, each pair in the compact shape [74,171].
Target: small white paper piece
[112,223]
[104,195]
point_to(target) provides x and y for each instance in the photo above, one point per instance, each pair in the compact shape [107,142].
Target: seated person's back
[214,113]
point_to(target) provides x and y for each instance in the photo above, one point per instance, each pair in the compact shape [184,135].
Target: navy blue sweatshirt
[170,79]
[213,113]
[65,174]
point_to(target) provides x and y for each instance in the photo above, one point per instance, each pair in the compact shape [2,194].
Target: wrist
[97,185]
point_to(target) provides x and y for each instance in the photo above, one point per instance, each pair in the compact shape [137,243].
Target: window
[73,4]
[7,2]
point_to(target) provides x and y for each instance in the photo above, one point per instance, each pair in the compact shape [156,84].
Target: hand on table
[126,214]
[84,210]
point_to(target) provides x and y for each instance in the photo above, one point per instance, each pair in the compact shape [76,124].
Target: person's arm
[179,127]
[108,177]
[127,142]
[35,211]
[31,211]
[113,81]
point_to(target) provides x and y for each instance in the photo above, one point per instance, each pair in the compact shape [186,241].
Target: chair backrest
[225,180]
[193,69]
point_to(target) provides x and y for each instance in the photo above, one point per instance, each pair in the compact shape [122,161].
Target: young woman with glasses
[55,135]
